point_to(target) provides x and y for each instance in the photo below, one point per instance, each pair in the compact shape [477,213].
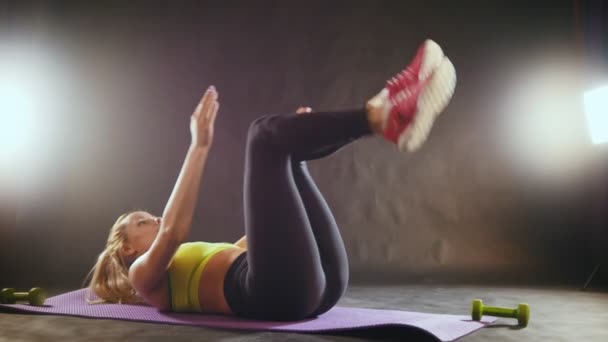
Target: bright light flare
[596,108]
[542,122]
[17,109]
[32,82]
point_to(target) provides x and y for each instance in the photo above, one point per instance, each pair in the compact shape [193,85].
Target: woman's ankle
[374,118]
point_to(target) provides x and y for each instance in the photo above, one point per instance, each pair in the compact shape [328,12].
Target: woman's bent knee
[261,125]
[265,129]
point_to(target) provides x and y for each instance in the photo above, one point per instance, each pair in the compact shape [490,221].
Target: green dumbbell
[36,296]
[522,313]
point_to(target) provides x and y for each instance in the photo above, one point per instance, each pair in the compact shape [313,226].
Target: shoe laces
[404,79]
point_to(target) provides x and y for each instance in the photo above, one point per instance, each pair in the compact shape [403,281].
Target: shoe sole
[433,100]
[433,56]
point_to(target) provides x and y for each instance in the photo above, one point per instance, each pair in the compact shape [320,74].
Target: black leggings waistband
[234,283]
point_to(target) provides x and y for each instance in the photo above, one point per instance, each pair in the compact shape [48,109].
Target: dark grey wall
[490,197]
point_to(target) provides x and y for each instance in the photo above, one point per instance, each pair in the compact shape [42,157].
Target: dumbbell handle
[499,312]
[21,295]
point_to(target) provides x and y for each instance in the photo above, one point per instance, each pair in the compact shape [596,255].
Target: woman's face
[142,228]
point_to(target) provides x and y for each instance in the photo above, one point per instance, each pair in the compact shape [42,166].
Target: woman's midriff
[211,290]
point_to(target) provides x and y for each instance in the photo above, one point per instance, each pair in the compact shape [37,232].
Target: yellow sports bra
[185,272]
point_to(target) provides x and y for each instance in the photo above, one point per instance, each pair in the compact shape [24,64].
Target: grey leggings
[296,265]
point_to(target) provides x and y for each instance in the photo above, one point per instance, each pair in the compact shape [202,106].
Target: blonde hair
[110,280]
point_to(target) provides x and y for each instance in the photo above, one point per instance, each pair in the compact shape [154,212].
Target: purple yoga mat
[338,319]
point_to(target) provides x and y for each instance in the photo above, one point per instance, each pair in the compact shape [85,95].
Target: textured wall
[487,198]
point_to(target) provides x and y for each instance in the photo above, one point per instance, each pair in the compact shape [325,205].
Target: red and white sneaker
[412,100]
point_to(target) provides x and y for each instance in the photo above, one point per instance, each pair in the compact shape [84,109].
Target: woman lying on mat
[293,264]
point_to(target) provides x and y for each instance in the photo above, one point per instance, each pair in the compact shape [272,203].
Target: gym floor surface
[557,314]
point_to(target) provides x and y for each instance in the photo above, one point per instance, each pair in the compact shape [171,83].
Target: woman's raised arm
[149,268]
[178,213]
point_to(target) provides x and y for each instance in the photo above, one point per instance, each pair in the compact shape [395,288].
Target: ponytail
[110,275]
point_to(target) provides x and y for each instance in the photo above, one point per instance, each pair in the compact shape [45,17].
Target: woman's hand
[203,119]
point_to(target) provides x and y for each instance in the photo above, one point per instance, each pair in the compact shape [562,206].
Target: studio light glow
[596,109]
[541,124]
[32,92]
[17,109]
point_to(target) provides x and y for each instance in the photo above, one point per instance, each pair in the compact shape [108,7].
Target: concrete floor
[557,314]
